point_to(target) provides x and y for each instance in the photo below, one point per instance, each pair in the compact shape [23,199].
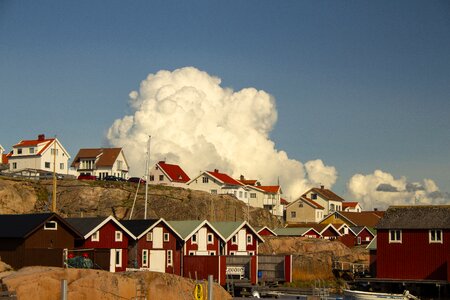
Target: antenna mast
[146,176]
[54,178]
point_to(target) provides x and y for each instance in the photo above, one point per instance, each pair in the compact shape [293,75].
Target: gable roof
[416,217]
[223,178]
[34,143]
[23,225]
[106,156]
[173,172]
[188,228]
[141,227]
[308,201]
[373,244]
[283,201]
[349,204]
[87,226]
[358,229]
[325,193]
[229,229]
[364,218]
[258,230]
[321,228]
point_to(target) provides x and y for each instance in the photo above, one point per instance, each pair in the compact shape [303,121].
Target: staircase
[141,290]
[5,294]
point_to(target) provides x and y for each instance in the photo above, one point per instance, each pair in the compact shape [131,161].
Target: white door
[202,240]
[112,260]
[242,241]
[158,238]
[158,261]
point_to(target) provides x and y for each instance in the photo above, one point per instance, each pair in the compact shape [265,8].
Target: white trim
[212,238]
[249,235]
[119,254]
[157,223]
[169,254]
[196,239]
[435,241]
[212,252]
[166,234]
[51,228]
[95,237]
[110,218]
[149,237]
[396,239]
[118,236]
[144,264]
[191,253]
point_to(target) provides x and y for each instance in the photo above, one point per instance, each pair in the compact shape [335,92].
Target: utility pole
[146,176]
[54,177]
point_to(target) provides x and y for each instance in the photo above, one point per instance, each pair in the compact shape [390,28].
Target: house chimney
[322,187]
[242,177]
[375,209]
[216,170]
[41,137]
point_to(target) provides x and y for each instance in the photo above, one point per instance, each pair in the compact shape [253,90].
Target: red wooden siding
[215,246]
[199,267]
[265,232]
[173,244]
[414,258]
[312,233]
[248,247]
[365,234]
[62,237]
[288,268]
[348,240]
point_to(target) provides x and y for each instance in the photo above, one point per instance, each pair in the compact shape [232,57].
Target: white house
[39,155]
[101,162]
[268,197]
[1,150]
[351,207]
[326,198]
[218,183]
[168,174]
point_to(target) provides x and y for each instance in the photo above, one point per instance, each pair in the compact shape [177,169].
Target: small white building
[101,162]
[218,183]
[167,174]
[326,198]
[268,197]
[39,155]
[351,206]
[1,150]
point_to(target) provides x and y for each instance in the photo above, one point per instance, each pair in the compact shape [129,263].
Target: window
[331,207]
[19,151]
[119,165]
[367,239]
[145,258]
[214,192]
[161,177]
[14,165]
[152,178]
[95,237]
[252,195]
[240,194]
[119,258]
[61,166]
[169,258]
[53,151]
[118,236]
[194,239]
[234,240]
[293,214]
[232,252]
[313,196]
[249,239]
[166,237]
[358,239]
[210,238]
[47,165]
[31,150]
[395,236]
[212,253]
[435,236]
[251,253]
[205,180]
[191,253]
[245,195]
[51,225]
[149,237]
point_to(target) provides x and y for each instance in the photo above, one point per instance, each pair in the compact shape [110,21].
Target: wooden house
[354,236]
[35,239]
[200,237]
[265,231]
[308,232]
[326,198]
[326,231]
[413,242]
[109,239]
[168,174]
[304,210]
[158,247]
[240,238]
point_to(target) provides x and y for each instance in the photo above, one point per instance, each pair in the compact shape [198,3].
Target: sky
[354,95]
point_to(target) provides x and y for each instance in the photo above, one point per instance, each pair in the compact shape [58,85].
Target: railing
[350,267]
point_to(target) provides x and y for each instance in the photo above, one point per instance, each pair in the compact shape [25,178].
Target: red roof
[174,172]
[40,140]
[248,181]
[349,204]
[224,178]
[312,202]
[270,188]
[5,158]
[284,201]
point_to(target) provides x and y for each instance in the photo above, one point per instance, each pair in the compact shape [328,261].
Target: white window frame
[166,237]
[434,240]
[95,237]
[232,252]
[234,240]
[205,179]
[118,254]
[149,237]
[249,239]
[145,258]
[51,228]
[194,239]
[397,236]
[118,236]
[212,253]
[191,253]
[210,236]
[293,214]
[251,253]
[169,258]
[358,240]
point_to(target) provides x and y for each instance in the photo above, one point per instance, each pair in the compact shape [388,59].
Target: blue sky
[361,85]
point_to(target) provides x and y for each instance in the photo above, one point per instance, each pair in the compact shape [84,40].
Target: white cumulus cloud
[197,123]
[381,189]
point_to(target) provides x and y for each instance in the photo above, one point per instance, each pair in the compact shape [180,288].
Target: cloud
[381,189]
[197,123]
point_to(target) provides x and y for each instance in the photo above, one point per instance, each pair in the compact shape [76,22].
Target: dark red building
[240,238]
[413,242]
[266,231]
[158,246]
[107,237]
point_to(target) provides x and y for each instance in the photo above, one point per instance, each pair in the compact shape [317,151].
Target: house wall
[366,236]
[157,172]
[329,234]
[253,247]
[304,213]
[107,241]
[61,238]
[413,258]
[199,185]
[265,232]
[312,234]
[215,246]
[263,200]
[326,204]
[33,161]
[174,244]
